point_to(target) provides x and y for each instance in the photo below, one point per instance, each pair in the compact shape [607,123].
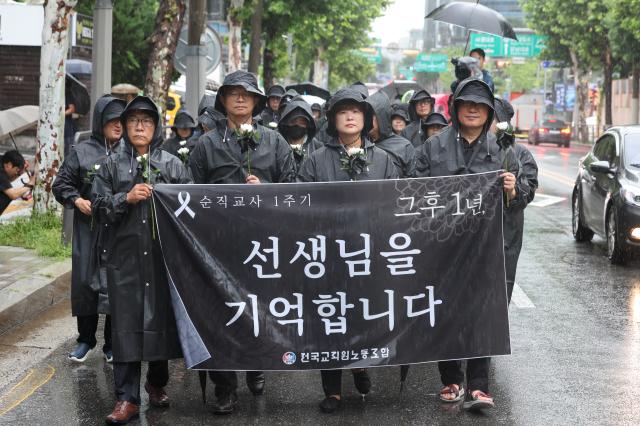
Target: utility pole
[101,50]
[196,56]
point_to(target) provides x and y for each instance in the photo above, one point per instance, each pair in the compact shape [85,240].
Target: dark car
[606,196]
[550,130]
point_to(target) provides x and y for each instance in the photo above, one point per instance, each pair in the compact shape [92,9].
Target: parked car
[550,130]
[606,195]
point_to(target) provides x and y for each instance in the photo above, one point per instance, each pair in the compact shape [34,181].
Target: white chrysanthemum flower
[296,147]
[246,128]
[183,142]
[503,125]
[355,151]
[96,167]
[273,124]
[139,158]
[183,151]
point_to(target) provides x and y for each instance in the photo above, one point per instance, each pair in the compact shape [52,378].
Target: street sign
[527,45]
[372,54]
[213,46]
[435,62]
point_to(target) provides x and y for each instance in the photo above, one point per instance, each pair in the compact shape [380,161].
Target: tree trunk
[256,35]
[164,40]
[635,96]
[580,131]
[608,85]
[320,69]
[235,36]
[50,136]
[268,77]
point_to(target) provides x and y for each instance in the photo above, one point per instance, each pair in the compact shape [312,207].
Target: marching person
[399,117]
[399,149]
[270,114]
[142,318]
[317,111]
[298,128]
[466,147]
[350,120]
[183,129]
[434,124]
[238,150]
[72,188]
[420,106]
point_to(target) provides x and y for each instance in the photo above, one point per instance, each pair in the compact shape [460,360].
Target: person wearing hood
[527,185]
[142,318]
[420,106]
[183,129]
[72,188]
[399,149]
[270,116]
[361,88]
[239,150]
[298,128]
[350,120]
[467,147]
[316,108]
[434,124]
[399,117]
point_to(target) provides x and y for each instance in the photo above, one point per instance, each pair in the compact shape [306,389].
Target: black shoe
[362,381]
[330,405]
[255,382]
[225,404]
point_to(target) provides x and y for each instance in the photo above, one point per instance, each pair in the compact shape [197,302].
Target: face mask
[294,132]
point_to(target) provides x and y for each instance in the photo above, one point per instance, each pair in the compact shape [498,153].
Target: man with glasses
[420,106]
[239,150]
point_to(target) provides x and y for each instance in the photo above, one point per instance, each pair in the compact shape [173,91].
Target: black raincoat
[182,120]
[414,132]
[143,323]
[74,179]
[310,144]
[401,150]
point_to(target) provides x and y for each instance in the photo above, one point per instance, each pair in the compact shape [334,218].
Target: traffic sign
[212,44]
[435,62]
[527,45]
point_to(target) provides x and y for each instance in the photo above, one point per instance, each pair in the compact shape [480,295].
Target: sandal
[454,389]
[478,400]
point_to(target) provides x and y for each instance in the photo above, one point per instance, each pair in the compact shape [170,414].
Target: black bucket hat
[245,80]
[140,103]
[436,119]
[183,120]
[348,96]
[275,91]
[400,110]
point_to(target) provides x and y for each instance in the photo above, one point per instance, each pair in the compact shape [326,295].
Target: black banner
[336,275]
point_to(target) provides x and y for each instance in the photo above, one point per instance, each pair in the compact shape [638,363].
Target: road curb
[27,297]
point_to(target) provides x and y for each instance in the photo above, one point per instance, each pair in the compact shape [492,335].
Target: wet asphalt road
[575,333]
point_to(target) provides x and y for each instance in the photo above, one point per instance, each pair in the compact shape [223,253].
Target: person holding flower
[142,318]
[72,188]
[348,156]
[298,127]
[183,128]
[239,150]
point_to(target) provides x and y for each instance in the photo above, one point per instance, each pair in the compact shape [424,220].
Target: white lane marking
[543,200]
[520,298]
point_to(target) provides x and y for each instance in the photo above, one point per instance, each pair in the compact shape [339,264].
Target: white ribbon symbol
[184,205]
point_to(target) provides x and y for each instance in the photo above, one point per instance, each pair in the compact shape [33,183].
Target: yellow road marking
[557,177]
[25,388]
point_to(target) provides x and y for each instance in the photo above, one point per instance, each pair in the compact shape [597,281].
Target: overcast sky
[398,19]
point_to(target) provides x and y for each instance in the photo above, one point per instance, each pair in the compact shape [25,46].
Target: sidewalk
[29,284]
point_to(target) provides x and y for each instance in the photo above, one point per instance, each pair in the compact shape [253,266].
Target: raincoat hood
[435,118]
[400,110]
[206,101]
[298,108]
[245,80]
[504,110]
[183,120]
[361,88]
[142,103]
[106,109]
[472,90]
[418,96]
[342,97]
[381,106]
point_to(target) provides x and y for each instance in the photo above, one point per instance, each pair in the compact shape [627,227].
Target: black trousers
[126,376]
[332,381]
[87,327]
[477,373]
[227,381]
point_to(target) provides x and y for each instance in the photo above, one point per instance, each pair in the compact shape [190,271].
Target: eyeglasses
[423,102]
[146,122]
[237,95]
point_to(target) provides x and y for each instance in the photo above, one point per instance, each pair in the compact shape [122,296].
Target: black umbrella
[202,375]
[78,66]
[396,89]
[309,88]
[81,98]
[473,17]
